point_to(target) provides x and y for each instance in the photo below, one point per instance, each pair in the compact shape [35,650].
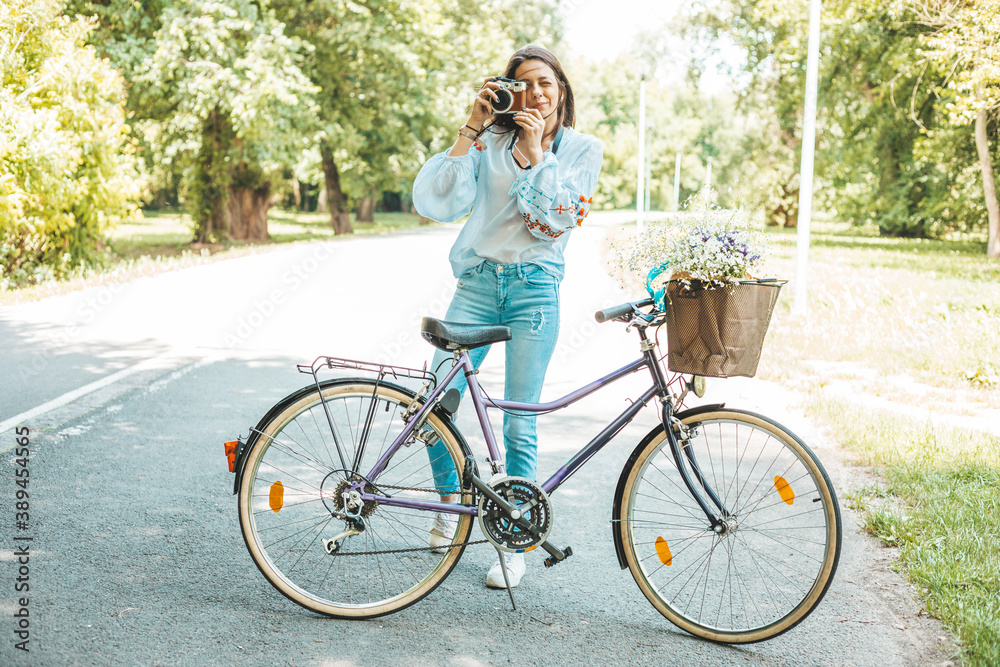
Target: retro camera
[511,95]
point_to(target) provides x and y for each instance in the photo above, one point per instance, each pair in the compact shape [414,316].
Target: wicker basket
[718,332]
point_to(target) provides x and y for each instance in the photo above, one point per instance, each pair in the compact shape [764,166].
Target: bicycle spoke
[746,581]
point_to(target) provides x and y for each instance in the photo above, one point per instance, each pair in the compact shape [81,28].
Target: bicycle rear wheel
[291,488]
[778,552]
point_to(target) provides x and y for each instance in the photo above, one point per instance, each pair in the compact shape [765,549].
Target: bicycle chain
[417,488]
[401,551]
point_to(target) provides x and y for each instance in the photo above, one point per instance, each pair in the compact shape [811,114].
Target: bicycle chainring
[533,503]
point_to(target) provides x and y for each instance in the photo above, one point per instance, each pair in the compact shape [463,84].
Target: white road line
[71,396]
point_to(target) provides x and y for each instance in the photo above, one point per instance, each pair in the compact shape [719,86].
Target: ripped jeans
[525,298]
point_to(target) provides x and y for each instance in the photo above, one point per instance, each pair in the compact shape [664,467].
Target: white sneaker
[515,570]
[442,532]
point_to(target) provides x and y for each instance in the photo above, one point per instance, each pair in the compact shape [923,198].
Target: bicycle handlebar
[617,312]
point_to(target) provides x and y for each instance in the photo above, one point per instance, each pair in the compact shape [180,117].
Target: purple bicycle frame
[482,403]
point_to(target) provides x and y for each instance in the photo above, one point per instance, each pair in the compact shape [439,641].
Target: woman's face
[543,86]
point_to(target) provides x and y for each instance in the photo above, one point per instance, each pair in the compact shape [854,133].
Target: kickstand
[503,568]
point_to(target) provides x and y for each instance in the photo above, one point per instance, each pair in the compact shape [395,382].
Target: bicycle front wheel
[777,554]
[292,489]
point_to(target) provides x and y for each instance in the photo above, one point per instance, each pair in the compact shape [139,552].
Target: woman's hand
[533,129]
[482,108]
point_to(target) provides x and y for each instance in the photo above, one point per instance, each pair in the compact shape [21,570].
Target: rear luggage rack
[381,370]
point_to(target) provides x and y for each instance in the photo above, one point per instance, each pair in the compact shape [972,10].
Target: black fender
[619,492]
[242,455]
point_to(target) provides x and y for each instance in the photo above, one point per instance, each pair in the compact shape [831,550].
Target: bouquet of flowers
[707,244]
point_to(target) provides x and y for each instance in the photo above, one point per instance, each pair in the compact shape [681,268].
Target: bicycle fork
[674,429]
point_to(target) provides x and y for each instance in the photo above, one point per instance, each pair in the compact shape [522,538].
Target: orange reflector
[231,454]
[784,490]
[277,496]
[663,551]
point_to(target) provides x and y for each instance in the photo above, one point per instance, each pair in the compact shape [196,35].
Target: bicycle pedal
[567,552]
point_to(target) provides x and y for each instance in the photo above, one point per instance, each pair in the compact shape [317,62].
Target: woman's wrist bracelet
[468,135]
[478,132]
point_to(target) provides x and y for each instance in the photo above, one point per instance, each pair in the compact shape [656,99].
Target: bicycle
[727,521]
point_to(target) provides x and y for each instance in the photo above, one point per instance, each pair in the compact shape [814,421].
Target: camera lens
[502,104]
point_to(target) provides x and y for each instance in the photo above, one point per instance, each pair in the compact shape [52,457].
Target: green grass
[158,233]
[940,504]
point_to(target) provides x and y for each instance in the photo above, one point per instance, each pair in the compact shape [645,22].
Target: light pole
[806,169]
[649,169]
[640,187]
[677,182]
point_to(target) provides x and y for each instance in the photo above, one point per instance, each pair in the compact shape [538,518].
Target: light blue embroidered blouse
[517,216]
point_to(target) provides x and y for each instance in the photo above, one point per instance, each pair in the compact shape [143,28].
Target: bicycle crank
[514,513]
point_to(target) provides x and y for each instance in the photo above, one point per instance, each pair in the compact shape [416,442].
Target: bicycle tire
[295,445]
[775,561]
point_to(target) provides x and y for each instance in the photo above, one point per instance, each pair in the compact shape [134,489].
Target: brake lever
[637,316]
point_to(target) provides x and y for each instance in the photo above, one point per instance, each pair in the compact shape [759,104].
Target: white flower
[703,243]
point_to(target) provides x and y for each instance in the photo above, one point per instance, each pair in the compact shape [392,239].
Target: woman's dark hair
[566,108]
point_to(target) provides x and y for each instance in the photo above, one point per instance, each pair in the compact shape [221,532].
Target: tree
[224,82]
[965,38]
[67,165]
[123,32]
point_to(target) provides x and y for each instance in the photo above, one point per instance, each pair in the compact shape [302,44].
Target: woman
[529,178]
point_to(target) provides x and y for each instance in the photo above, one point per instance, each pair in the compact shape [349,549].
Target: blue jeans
[525,298]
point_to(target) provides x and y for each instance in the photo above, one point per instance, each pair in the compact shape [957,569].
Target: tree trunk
[211,210]
[339,217]
[366,210]
[786,212]
[321,201]
[248,212]
[989,185]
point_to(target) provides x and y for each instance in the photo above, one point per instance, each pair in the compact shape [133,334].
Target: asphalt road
[136,556]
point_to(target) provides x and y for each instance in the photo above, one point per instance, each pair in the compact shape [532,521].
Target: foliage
[885,158]
[224,85]
[123,32]
[770,33]
[887,153]
[67,168]
[966,37]
[681,119]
